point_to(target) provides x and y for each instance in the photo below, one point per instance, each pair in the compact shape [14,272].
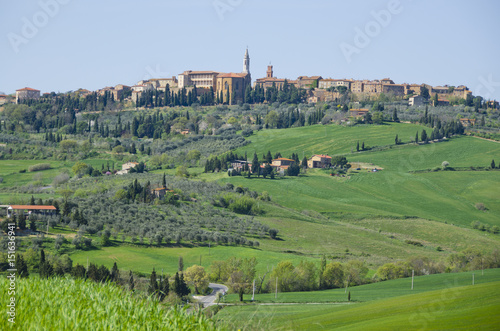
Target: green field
[75,304]
[329,139]
[143,259]
[374,240]
[448,196]
[446,302]
[380,290]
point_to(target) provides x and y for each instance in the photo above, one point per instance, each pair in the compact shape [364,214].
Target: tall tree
[416,138]
[255,164]
[115,273]
[181,264]
[304,162]
[22,267]
[395,115]
[492,164]
[424,136]
[131,282]
[153,284]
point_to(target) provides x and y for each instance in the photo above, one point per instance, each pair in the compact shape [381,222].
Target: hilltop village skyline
[230,87]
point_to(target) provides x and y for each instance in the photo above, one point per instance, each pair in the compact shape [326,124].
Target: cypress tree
[181,264]
[42,256]
[153,284]
[22,267]
[131,283]
[424,136]
[396,140]
[363,146]
[416,138]
[304,162]
[164,288]
[492,164]
[115,273]
[357,147]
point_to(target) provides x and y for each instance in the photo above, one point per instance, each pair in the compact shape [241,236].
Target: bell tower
[269,71]
[246,63]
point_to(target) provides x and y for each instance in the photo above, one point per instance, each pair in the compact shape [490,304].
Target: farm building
[28,210]
[319,161]
[358,112]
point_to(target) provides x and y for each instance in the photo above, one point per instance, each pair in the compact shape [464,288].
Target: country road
[209,300]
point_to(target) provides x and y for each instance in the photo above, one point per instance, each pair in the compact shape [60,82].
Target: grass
[328,139]
[449,306]
[68,304]
[380,290]
[9,171]
[441,196]
[374,240]
[143,259]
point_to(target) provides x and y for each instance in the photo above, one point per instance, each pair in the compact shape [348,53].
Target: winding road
[209,300]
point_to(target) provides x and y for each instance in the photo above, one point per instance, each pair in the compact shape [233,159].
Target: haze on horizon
[92,44]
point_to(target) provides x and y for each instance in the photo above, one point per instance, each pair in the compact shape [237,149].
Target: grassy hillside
[443,196]
[143,259]
[330,139]
[67,304]
[381,290]
[374,240]
[449,307]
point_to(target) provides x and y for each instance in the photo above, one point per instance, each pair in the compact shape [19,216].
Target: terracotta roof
[190,72]
[323,156]
[28,207]
[231,75]
[283,159]
[3,96]
[27,89]
[270,79]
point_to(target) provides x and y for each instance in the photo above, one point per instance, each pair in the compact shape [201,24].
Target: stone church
[232,85]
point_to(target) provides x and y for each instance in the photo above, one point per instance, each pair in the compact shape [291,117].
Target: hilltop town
[214,87]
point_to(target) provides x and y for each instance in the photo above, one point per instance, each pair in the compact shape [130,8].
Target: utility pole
[253,290]
[276,293]
[412,275]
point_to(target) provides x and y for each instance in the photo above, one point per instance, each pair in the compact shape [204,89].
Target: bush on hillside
[39,167]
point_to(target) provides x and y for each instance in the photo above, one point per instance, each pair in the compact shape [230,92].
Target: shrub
[480,206]
[39,167]
[22,171]
[60,179]
[413,242]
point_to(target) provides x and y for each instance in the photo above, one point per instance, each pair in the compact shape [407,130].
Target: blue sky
[91,44]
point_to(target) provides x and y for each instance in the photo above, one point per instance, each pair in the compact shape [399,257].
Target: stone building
[27,93]
[232,85]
